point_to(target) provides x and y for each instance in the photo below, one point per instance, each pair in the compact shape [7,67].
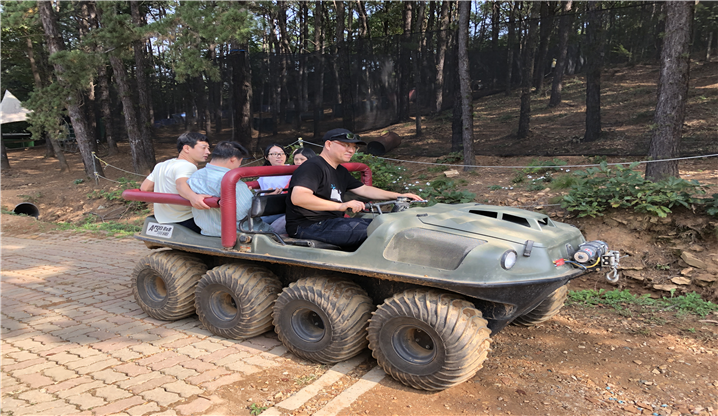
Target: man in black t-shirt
[315,205]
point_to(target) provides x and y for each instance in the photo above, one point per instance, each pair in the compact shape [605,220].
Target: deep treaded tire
[323,319]
[428,340]
[235,300]
[163,284]
[545,310]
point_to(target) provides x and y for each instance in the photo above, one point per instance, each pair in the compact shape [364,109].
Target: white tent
[11,109]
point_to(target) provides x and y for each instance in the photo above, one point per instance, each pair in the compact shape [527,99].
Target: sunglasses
[350,146]
[349,136]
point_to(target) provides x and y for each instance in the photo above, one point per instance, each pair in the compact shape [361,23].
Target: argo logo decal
[159,230]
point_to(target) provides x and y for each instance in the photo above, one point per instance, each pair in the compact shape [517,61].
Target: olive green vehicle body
[455,248]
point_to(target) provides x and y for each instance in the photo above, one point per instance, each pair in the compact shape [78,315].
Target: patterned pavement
[75,342]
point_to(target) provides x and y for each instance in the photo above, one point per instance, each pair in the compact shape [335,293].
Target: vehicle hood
[505,223]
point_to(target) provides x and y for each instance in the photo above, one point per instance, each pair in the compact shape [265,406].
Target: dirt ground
[585,361]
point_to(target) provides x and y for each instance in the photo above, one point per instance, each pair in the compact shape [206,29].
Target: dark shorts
[347,233]
[191,225]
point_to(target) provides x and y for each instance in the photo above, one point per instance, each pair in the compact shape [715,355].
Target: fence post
[94,168]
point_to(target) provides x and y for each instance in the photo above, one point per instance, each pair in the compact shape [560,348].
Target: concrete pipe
[27,208]
[383,144]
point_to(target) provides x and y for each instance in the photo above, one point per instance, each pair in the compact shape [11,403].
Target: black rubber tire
[429,340]
[545,310]
[163,284]
[323,319]
[235,300]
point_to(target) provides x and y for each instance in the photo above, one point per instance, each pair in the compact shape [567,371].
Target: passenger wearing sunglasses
[316,202]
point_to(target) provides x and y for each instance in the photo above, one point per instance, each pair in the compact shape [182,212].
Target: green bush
[116,194]
[712,205]
[600,188]
[385,175]
[563,181]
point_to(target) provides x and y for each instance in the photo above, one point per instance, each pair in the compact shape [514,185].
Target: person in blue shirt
[208,180]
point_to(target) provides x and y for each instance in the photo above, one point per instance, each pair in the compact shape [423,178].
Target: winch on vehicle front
[593,254]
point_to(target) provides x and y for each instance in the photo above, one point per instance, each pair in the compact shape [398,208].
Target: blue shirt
[208,181]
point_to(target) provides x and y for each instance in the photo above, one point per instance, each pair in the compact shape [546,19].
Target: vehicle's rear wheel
[163,284]
[323,319]
[235,300]
[545,310]
[429,340]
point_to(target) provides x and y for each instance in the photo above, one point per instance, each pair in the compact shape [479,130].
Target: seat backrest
[263,205]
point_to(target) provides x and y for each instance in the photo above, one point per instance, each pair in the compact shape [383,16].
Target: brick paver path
[75,342]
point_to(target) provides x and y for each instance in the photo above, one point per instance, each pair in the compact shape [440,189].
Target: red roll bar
[229,193]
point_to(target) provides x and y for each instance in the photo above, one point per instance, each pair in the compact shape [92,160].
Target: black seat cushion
[263,205]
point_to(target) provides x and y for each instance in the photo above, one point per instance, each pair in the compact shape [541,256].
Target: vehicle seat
[264,205]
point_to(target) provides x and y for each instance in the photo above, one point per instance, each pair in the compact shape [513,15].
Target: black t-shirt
[326,183]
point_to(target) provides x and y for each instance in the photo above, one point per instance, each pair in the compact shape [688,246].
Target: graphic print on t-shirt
[335,195]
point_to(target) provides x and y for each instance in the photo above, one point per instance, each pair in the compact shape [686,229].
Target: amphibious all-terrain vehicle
[424,292]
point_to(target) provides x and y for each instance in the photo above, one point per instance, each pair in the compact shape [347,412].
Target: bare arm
[147,186]
[197,200]
[376,193]
[305,198]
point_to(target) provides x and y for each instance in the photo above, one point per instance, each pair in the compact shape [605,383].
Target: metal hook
[614,278]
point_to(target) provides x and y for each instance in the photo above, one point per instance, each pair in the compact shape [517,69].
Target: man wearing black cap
[315,205]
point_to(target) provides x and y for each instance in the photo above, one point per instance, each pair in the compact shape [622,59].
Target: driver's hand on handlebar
[355,206]
[412,196]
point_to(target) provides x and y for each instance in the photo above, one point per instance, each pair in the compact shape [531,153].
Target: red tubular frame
[229,193]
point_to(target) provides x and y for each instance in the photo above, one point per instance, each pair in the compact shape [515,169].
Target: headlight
[508,259]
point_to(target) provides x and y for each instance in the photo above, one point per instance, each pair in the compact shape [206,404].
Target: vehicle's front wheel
[323,319]
[429,340]
[235,300]
[163,284]
[545,310]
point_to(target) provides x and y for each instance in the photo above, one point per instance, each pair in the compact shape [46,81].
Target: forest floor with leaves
[588,360]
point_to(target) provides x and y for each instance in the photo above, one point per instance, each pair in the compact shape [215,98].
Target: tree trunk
[141,163]
[672,91]
[5,162]
[363,20]
[564,27]
[527,60]
[242,82]
[319,73]
[79,123]
[416,58]
[467,125]
[345,81]
[594,33]
[547,20]
[510,47]
[441,57]
[143,88]
[104,87]
[495,16]
[304,62]
[457,119]
[53,148]
[708,46]
[88,19]
[404,67]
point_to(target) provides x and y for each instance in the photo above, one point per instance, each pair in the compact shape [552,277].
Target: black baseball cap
[343,135]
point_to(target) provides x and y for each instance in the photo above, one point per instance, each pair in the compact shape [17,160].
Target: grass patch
[255,409]
[118,229]
[563,181]
[305,379]
[619,300]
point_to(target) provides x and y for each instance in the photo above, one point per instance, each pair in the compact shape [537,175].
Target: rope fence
[301,142]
